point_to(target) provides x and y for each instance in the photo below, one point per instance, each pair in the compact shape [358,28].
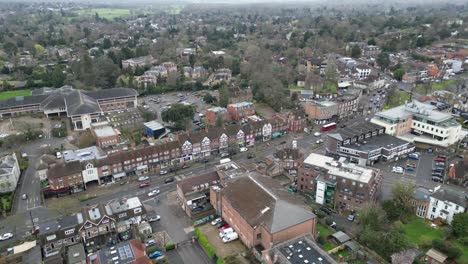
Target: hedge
[220,261]
[170,246]
[203,241]
[152,249]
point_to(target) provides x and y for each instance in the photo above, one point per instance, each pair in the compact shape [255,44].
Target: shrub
[438,244]
[204,243]
[463,240]
[328,221]
[220,261]
[320,214]
[152,249]
[453,252]
[170,246]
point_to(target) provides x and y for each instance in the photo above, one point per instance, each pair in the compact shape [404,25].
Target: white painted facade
[443,209]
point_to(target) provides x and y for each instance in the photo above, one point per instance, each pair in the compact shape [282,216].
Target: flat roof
[302,251]
[90,153]
[415,108]
[153,125]
[345,170]
[106,131]
[376,142]
[241,104]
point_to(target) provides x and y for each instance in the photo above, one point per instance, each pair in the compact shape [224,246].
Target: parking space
[128,119]
[223,250]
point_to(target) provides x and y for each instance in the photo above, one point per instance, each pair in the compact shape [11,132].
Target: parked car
[409,169]
[326,210]
[169,180]
[225,232]
[220,224]
[24,196]
[224,154]
[143,178]
[6,236]
[163,172]
[437,179]
[438,174]
[144,184]
[220,229]
[439,163]
[155,254]
[153,193]
[351,217]
[438,169]
[413,156]
[317,134]
[150,242]
[243,149]
[439,159]
[230,237]
[154,218]
[216,221]
[411,165]
[398,169]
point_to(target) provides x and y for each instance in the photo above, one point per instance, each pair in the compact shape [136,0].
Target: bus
[328,127]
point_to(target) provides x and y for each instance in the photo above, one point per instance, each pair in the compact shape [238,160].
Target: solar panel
[125,252]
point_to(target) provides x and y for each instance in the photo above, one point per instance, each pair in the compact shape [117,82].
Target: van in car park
[230,237]
[226,232]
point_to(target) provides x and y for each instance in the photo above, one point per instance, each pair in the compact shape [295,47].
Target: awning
[119,175]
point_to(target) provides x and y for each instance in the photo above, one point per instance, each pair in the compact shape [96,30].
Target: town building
[82,107]
[215,113]
[64,178]
[140,62]
[239,111]
[217,53]
[76,254]
[361,71]
[421,201]
[238,95]
[285,161]
[445,204]
[296,120]
[130,252]
[321,112]
[9,173]
[342,184]
[302,249]
[365,143]
[105,136]
[155,129]
[420,123]
[261,211]
[222,75]
[57,234]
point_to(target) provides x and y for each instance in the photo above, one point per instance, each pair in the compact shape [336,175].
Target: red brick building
[262,212]
[212,114]
[296,120]
[106,136]
[64,176]
[241,110]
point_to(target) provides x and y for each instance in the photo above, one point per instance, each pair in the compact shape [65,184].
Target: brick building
[296,120]
[64,177]
[321,112]
[212,114]
[239,111]
[343,185]
[262,212]
[105,136]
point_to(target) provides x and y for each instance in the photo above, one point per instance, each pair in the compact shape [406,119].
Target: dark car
[438,169]
[250,156]
[169,180]
[326,210]
[437,174]
[220,224]
[205,161]
[437,179]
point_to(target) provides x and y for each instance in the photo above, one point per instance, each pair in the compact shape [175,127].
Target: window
[361,185]
[433,209]
[354,183]
[69,232]
[344,180]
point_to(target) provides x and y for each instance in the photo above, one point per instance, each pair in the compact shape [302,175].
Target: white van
[58,155]
[243,149]
[226,232]
[230,237]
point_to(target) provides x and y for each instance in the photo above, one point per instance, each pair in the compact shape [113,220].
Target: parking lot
[159,103]
[128,119]
[223,250]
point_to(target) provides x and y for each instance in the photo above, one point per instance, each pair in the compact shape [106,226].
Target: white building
[445,205]
[418,122]
[9,173]
[362,71]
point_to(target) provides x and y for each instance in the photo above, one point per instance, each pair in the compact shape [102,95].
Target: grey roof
[106,131]
[21,101]
[55,100]
[451,196]
[153,125]
[7,163]
[84,154]
[382,141]
[415,108]
[64,169]
[263,201]
[76,253]
[353,245]
[79,103]
[298,250]
[112,93]
[421,194]
[341,236]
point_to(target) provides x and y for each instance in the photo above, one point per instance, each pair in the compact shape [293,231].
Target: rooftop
[106,131]
[153,125]
[90,153]
[7,164]
[241,104]
[118,206]
[415,108]
[217,109]
[301,250]
[450,196]
[264,202]
[339,168]
[76,253]
[382,141]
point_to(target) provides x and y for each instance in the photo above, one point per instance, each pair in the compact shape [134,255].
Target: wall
[237,222]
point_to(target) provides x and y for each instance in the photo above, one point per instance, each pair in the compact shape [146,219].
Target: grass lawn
[324,231]
[295,88]
[328,246]
[174,9]
[10,94]
[436,86]
[397,99]
[418,231]
[107,13]
[464,257]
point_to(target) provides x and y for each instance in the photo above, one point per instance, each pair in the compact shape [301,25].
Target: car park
[144,184]
[153,193]
[143,178]
[226,232]
[216,221]
[398,169]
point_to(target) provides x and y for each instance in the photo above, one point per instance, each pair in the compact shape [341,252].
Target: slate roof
[79,103]
[64,169]
[111,93]
[262,201]
[445,195]
[7,163]
[22,101]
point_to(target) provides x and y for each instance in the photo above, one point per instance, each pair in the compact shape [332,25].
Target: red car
[223,227]
[144,184]
[439,159]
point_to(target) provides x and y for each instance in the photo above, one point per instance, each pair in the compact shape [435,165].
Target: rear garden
[11,94]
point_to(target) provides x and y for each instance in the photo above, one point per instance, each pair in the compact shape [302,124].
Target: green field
[174,9]
[10,94]
[418,231]
[324,231]
[107,13]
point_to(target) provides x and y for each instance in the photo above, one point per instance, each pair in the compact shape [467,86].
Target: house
[193,194]
[217,53]
[215,113]
[55,235]
[434,256]
[261,211]
[140,62]
[361,71]
[421,201]
[131,252]
[239,111]
[105,136]
[222,75]
[365,143]
[147,79]
[170,66]
[94,223]
[420,123]
[199,72]
[43,164]
[9,173]
[345,185]
[65,178]
[444,204]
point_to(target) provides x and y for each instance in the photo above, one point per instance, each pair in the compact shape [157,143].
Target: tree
[86,71]
[371,42]
[179,114]
[398,73]
[39,49]
[235,67]
[460,225]
[106,72]
[106,44]
[209,99]
[223,96]
[10,48]
[372,216]
[192,60]
[356,51]
[58,77]
[383,60]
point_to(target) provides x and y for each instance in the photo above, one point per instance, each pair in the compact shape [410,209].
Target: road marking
[149,200]
[35,220]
